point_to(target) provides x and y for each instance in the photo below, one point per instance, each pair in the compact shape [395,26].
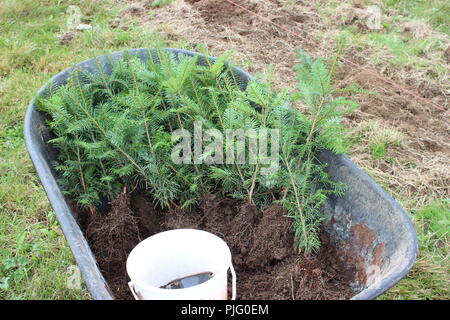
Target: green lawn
[35,261]
[435,12]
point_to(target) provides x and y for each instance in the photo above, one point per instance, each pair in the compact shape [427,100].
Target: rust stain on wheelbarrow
[360,251]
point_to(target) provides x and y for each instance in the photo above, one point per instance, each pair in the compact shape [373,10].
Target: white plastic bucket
[175,254]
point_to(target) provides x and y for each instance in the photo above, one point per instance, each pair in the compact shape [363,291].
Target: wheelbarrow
[374,236]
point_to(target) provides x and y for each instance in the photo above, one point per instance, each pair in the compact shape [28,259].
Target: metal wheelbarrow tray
[373,234]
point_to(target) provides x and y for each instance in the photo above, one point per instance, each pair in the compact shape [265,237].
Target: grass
[380,139]
[35,261]
[429,277]
[435,12]
[435,220]
[34,258]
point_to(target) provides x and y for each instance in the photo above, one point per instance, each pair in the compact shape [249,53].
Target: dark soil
[112,237]
[261,243]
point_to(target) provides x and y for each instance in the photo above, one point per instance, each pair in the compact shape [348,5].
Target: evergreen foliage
[115,130]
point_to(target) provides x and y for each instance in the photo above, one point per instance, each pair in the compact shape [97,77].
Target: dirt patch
[272,239]
[389,103]
[221,27]
[417,168]
[221,12]
[66,38]
[137,9]
[261,243]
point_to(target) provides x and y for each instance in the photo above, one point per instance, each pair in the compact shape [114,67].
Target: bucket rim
[227,259]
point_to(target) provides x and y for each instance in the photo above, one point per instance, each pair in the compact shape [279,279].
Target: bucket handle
[233,282]
[138,296]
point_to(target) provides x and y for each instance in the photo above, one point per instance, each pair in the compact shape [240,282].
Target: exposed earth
[261,243]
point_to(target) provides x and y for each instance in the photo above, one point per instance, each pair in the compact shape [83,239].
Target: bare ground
[261,244]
